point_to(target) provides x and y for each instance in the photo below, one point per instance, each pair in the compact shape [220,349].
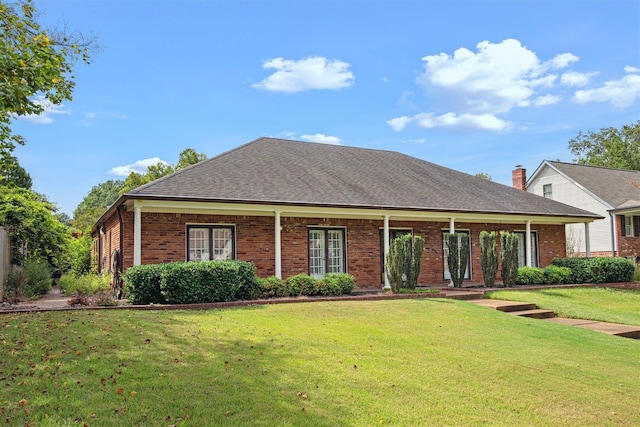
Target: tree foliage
[404,261]
[509,244]
[458,257]
[34,230]
[36,67]
[488,257]
[187,158]
[610,147]
[14,175]
[97,200]
[483,175]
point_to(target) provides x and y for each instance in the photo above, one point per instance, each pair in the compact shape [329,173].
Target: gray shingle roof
[617,187]
[278,171]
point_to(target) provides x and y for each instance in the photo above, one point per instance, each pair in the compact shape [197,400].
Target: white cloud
[45,118]
[563,60]
[139,166]
[324,139]
[477,89]
[315,72]
[630,69]
[92,116]
[573,78]
[547,99]
[620,93]
[399,123]
[472,121]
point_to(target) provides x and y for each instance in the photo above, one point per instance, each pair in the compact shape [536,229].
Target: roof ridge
[592,166]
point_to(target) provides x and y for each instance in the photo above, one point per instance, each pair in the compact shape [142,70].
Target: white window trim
[210,225]
[549,194]
[345,243]
[534,240]
[628,232]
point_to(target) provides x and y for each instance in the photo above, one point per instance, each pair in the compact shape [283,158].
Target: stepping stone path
[526,309]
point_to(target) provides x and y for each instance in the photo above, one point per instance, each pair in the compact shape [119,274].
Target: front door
[393,233]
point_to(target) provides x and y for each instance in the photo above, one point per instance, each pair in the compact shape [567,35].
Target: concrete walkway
[531,310]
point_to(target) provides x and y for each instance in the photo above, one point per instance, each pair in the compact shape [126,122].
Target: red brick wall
[164,240]
[628,246]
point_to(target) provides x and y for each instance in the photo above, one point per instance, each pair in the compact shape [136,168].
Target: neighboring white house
[611,193]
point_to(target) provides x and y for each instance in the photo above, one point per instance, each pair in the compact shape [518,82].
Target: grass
[395,362]
[601,304]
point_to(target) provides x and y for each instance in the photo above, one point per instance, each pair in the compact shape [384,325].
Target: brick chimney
[519,178]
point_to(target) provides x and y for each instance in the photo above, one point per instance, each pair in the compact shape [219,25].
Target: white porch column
[137,235]
[527,242]
[452,225]
[278,247]
[587,240]
[387,285]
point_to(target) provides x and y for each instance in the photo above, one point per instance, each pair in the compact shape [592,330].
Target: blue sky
[478,86]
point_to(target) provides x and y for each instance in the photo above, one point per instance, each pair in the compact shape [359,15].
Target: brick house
[296,207]
[614,194]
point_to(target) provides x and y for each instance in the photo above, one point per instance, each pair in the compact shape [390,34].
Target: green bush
[509,271]
[84,284]
[597,269]
[207,281]
[340,283]
[270,287]
[404,261]
[556,275]
[142,284]
[488,257]
[530,276]
[300,284]
[636,274]
[549,275]
[38,279]
[13,285]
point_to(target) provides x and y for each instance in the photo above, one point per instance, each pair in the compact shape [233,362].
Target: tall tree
[610,147]
[35,67]
[97,200]
[14,175]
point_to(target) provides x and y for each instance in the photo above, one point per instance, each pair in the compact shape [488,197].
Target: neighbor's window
[209,242]
[326,251]
[547,191]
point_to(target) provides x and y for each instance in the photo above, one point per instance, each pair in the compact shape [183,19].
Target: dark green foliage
[208,281]
[488,257]
[458,258]
[28,282]
[550,275]
[404,261]
[509,243]
[598,269]
[609,147]
[300,284]
[142,284]
[340,283]
[270,287]
[556,275]
[95,203]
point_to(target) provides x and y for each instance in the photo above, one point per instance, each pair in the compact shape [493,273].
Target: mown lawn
[395,362]
[602,304]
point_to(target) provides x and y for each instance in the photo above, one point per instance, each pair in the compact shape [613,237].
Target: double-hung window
[628,225]
[547,191]
[210,242]
[326,251]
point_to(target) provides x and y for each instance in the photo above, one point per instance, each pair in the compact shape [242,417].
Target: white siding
[567,192]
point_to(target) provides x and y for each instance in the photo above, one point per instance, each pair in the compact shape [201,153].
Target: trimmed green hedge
[550,275]
[598,269]
[219,281]
[190,282]
[303,284]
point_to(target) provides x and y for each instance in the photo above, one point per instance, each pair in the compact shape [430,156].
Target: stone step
[534,313]
[506,306]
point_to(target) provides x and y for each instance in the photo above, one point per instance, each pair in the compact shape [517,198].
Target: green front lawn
[394,362]
[602,304]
